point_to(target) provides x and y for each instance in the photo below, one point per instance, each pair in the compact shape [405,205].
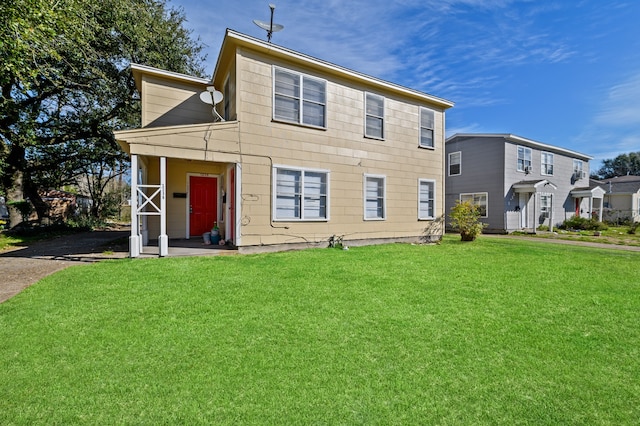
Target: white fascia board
[319,63]
[145,69]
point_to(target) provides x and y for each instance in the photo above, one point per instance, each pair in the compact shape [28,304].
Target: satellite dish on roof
[269,27]
[212,97]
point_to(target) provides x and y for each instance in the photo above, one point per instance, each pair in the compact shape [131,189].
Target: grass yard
[492,332]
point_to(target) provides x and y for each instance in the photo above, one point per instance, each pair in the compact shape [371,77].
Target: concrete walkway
[565,242]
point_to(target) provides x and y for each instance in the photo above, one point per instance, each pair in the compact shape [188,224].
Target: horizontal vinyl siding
[342,149]
[482,171]
[168,103]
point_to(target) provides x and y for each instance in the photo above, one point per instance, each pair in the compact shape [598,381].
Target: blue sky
[563,72]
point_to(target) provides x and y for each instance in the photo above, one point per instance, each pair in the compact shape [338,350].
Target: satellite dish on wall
[212,97]
[269,27]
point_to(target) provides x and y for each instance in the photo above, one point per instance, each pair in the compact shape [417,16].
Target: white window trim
[384,109]
[432,181]
[525,148]
[433,129]
[486,194]
[384,196]
[274,198]
[449,163]
[301,77]
[542,154]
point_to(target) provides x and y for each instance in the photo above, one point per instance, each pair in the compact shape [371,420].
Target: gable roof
[620,185]
[233,40]
[533,185]
[138,70]
[522,141]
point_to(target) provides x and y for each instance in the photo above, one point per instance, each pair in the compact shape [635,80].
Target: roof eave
[138,70]
[519,139]
[232,36]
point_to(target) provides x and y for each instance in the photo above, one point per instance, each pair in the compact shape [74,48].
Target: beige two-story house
[298,152]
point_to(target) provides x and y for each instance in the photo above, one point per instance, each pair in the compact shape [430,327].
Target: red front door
[203,204]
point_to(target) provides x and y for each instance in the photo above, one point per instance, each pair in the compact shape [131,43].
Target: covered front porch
[589,202]
[534,205]
[183,186]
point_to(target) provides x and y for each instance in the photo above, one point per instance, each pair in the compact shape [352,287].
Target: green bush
[465,218]
[583,224]
[633,228]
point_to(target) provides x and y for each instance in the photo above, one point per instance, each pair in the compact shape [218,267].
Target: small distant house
[519,183]
[63,205]
[296,151]
[622,198]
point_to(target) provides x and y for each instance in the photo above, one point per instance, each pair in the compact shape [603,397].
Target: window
[524,159]
[426,127]
[426,198]
[577,169]
[374,116]
[479,199]
[546,160]
[299,98]
[545,206]
[455,163]
[300,194]
[374,197]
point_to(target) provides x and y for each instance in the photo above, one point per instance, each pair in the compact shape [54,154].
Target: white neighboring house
[622,198]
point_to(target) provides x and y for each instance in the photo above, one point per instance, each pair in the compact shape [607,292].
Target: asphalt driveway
[23,266]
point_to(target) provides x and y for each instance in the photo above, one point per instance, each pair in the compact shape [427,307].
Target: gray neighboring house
[622,198]
[518,183]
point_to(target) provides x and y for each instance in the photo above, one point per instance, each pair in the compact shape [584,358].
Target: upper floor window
[426,198]
[299,98]
[547,163]
[300,194]
[524,159]
[577,169]
[427,120]
[374,197]
[455,163]
[479,199]
[374,116]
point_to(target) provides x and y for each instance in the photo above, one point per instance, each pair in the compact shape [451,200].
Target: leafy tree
[622,165]
[65,85]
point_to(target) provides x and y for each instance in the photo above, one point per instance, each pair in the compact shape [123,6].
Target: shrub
[583,224]
[633,228]
[465,218]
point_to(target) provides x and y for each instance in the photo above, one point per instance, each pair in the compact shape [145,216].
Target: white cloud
[621,105]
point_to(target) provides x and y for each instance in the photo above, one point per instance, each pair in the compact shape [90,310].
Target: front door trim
[188,204]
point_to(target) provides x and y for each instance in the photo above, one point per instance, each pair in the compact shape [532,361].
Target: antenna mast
[270,27]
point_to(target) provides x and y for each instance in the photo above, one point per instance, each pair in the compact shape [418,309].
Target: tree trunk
[31,192]
[15,193]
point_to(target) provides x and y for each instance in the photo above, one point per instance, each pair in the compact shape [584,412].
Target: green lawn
[492,332]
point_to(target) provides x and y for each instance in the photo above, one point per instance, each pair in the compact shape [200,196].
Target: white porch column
[163,239]
[134,239]
[601,208]
[590,207]
[551,205]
